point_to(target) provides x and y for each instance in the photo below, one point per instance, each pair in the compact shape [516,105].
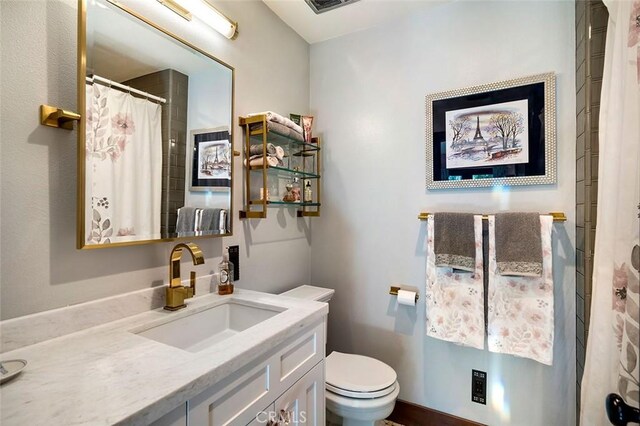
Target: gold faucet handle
[191,290]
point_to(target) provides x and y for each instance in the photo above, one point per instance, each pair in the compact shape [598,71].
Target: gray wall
[40,268]
[589,68]
[367,92]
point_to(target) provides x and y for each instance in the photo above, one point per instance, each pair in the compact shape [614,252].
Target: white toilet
[359,390]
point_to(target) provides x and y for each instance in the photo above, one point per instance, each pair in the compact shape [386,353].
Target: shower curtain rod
[98,79]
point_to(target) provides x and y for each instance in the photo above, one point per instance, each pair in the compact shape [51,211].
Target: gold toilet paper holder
[394,291]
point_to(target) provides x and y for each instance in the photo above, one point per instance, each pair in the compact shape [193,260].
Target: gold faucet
[176,292]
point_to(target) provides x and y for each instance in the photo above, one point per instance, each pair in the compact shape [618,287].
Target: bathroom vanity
[246,358]
[239,359]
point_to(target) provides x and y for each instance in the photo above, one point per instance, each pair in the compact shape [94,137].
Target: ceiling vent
[321,6]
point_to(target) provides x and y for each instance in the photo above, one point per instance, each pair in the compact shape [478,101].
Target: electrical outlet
[479,386]
[234,257]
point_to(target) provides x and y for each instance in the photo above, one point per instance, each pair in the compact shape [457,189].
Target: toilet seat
[360,395]
[359,377]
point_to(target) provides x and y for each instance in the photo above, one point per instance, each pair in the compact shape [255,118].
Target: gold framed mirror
[155,142]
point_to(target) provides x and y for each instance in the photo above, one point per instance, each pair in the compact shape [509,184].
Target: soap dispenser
[225,274]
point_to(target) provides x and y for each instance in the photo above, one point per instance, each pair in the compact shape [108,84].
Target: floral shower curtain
[123,166]
[612,356]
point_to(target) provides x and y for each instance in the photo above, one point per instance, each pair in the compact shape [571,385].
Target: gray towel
[209,219]
[518,244]
[186,219]
[454,241]
[257,150]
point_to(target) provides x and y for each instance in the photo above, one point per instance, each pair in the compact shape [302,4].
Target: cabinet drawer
[298,357]
[236,403]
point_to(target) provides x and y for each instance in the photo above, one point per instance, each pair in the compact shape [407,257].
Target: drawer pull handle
[285,418]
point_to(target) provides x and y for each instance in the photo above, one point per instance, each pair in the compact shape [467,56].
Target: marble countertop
[109,375]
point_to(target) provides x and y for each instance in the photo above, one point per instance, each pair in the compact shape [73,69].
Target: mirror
[155,144]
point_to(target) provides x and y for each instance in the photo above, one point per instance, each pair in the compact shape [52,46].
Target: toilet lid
[358,376]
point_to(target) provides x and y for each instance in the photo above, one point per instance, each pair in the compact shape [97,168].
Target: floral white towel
[520,309]
[455,301]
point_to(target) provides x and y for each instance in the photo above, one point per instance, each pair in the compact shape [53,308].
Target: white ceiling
[343,20]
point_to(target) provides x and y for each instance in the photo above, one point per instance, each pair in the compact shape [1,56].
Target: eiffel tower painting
[478,137]
[500,136]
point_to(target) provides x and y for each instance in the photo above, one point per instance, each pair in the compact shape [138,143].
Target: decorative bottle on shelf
[225,274]
[293,194]
[308,193]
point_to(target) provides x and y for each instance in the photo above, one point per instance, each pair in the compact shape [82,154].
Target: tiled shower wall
[591,31]
[174,87]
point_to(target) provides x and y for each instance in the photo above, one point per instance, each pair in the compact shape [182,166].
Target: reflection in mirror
[157,141]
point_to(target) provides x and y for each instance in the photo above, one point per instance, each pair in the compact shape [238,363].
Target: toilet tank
[310,292]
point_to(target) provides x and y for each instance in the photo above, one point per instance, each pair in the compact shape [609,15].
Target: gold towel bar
[57,117]
[557,216]
[394,291]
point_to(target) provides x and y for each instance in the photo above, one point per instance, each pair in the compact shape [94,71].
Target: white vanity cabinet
[303,403]
[290,377]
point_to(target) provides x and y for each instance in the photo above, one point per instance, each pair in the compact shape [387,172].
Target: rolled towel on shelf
[454,241]
[277,118]
[518,244]
[285,131]
[257,149]
[259,161]
[281,129]
[279,152]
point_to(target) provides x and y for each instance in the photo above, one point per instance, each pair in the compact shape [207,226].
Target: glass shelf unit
[283,172]
[284,141]
[265,185]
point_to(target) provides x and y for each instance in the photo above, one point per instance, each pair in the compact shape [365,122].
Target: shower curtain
[612,355]
[123,166]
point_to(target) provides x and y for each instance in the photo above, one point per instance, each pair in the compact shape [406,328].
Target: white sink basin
[204,329]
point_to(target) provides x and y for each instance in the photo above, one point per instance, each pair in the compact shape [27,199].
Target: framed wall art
[501,133]
[211,161]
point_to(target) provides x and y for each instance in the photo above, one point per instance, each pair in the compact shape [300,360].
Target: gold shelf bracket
[57,117]
[557,216]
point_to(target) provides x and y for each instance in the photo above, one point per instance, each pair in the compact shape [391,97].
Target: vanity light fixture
[206,12]
[176,7]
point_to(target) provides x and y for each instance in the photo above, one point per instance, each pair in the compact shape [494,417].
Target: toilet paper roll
[406,297]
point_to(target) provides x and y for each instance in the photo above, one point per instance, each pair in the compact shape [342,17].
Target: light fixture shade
[218,21]
[175,7]
[206,12]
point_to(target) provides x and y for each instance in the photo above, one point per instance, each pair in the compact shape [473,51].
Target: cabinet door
[265,418]
[177,417]
[303,403]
